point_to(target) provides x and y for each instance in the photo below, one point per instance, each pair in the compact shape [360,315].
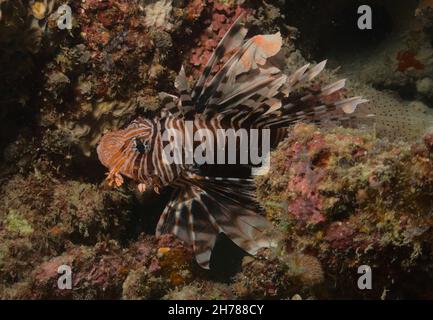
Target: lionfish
[247,91]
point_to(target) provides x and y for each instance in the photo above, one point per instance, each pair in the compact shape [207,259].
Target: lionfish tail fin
[202,207]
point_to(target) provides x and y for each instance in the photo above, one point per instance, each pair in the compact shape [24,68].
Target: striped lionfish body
[249,92]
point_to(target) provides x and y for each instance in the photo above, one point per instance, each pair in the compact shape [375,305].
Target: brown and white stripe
[248,91]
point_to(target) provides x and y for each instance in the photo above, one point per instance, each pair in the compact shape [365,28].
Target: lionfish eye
[141,146]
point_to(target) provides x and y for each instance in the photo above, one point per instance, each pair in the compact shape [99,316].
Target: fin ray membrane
[250,91]
[203,207]
[251,85]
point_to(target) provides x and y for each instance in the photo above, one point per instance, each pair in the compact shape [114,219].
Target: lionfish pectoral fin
[203,207]
[114,178]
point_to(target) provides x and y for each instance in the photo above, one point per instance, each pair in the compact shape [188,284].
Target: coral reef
[106,271]
[391,64]
[338,197]
[106,69]
[20,42]
[350,199]
[279,276]
[41,214]
[218,15]
[98,82]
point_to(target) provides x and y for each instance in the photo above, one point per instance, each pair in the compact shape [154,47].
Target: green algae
[17,224]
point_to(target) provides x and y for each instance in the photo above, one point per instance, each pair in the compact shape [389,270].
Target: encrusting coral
[40,223]
[280,275]
[107,271]
[350,199]
[103,70]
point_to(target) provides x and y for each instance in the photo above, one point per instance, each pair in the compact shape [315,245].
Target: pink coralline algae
[221,18]
[349,199]
[107,271]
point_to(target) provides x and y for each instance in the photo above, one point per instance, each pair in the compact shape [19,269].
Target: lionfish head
[122,151]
